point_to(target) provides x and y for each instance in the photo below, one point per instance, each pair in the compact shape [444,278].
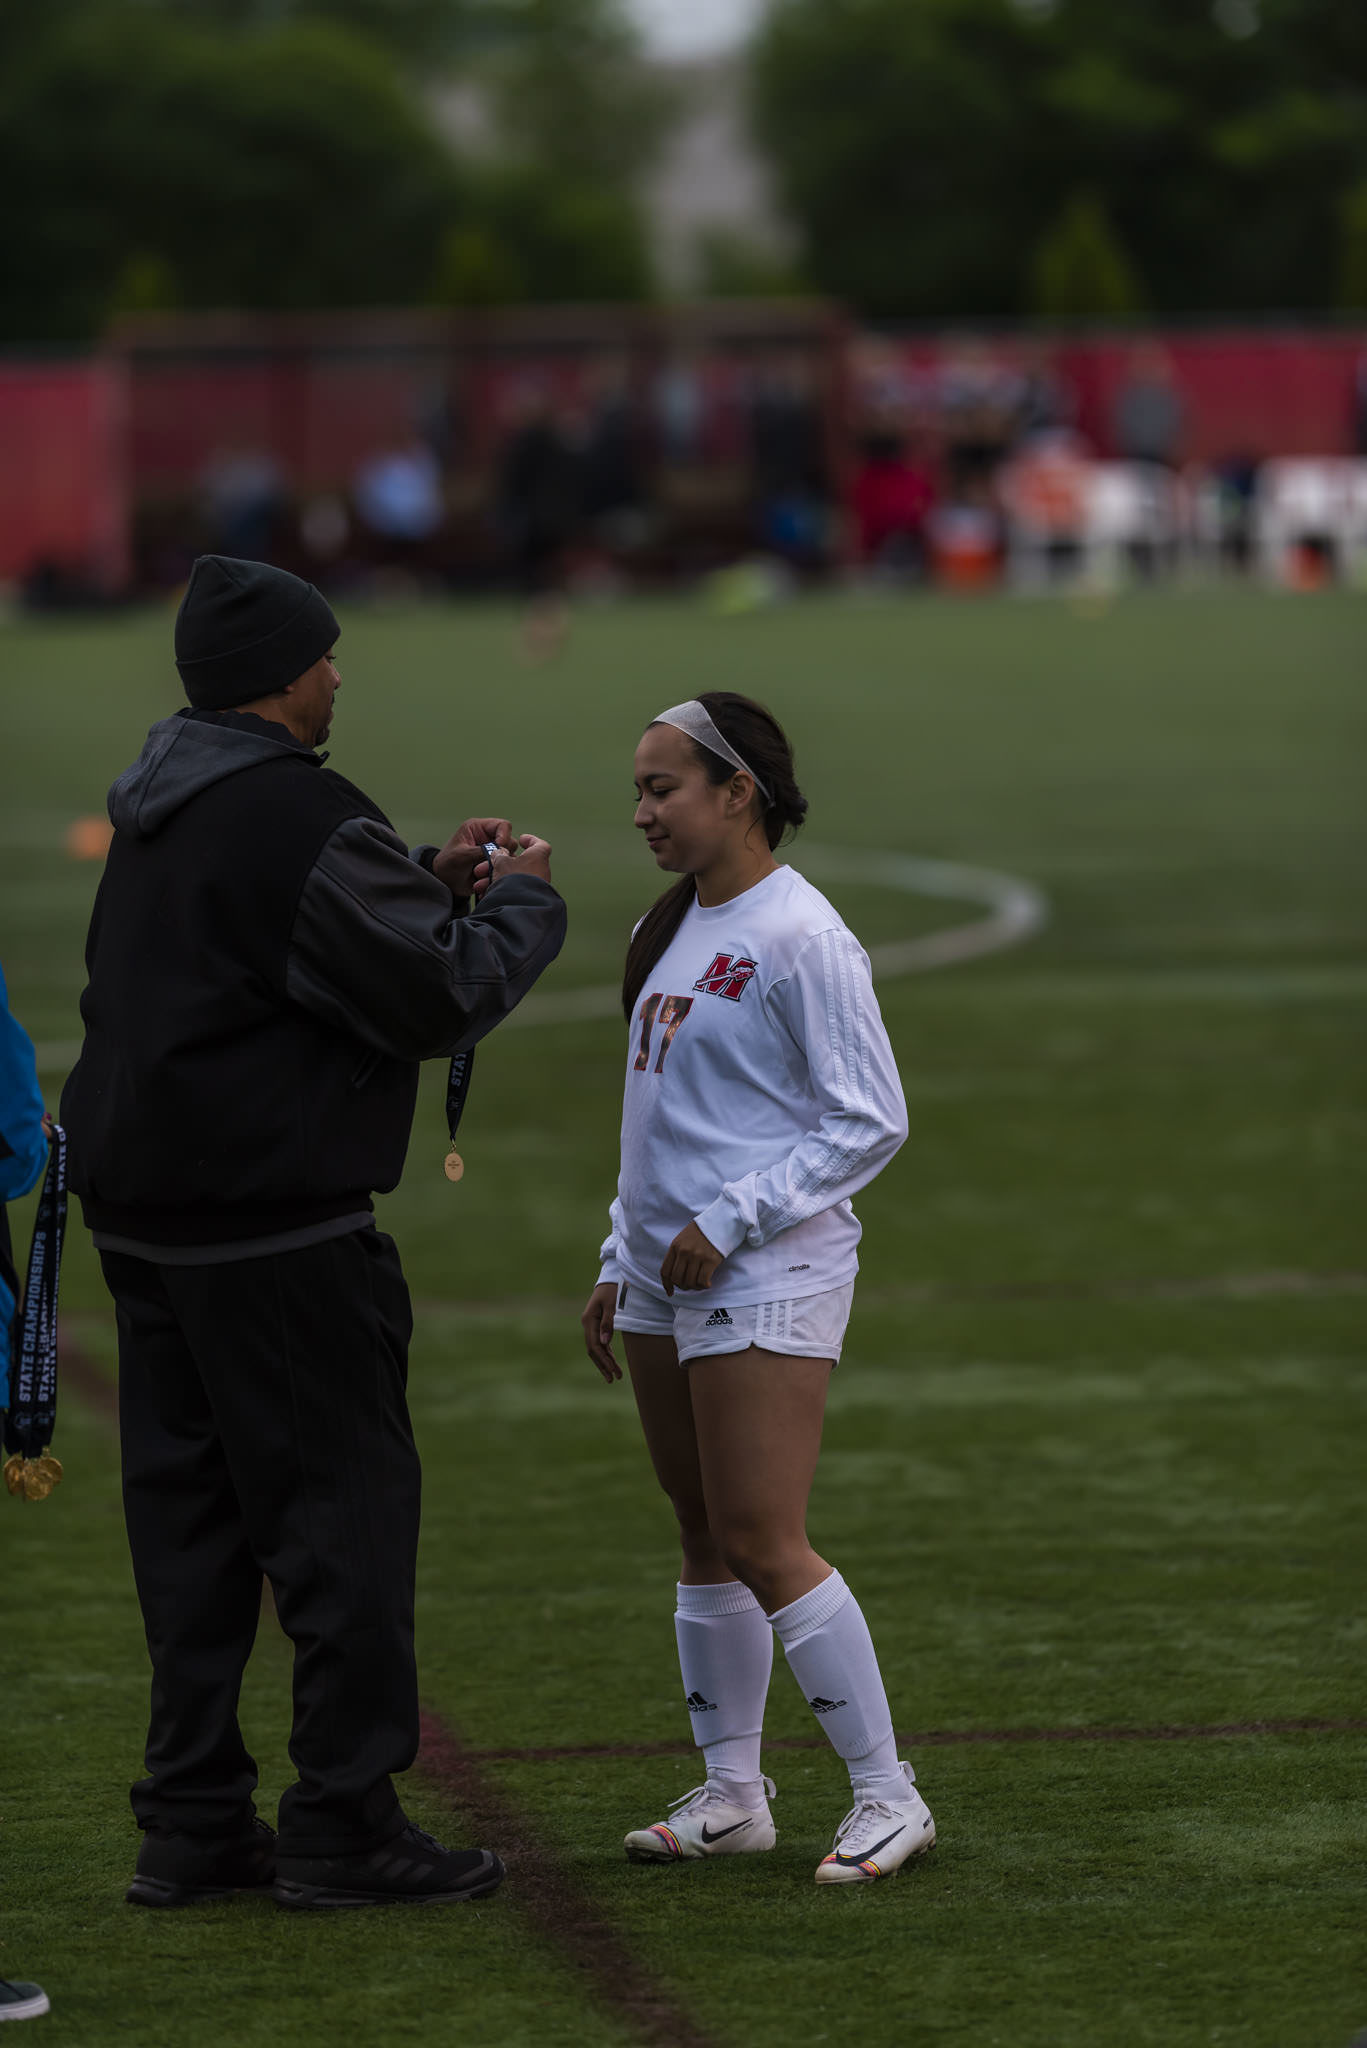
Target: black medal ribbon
[462,1066]
[457,1088]
[32,1413]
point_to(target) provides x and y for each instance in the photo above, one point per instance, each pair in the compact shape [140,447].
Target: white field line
[1016,911]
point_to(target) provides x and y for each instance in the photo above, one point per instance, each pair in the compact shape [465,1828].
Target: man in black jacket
[268,963]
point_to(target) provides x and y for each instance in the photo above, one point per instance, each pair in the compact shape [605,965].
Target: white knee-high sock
[726,1652]
[830,1653]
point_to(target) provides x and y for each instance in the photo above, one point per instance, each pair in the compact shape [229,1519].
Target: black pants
[265,1430]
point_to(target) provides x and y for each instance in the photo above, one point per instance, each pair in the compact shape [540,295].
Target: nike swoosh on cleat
[853,1862]
[733,1830]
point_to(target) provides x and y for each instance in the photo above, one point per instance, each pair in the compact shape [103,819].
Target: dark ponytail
[762,744]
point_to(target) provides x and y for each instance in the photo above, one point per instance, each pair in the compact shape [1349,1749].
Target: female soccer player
[761,1093]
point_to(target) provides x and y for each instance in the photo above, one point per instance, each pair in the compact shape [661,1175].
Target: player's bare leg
[725,1642]
[758,1418]
[665,1406]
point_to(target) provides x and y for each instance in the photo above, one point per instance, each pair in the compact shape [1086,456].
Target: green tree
[422,30]
[1080,270]
[273,154]
[276,171]
[475,268]
[524,236]
[570,239]
[929,149]
[146,284]
[734,265]
[570,89]
[901,133]
[1352,291]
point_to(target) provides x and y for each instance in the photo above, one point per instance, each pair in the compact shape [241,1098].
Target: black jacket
[267,965]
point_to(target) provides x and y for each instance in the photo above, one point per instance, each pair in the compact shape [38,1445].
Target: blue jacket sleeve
[23,1145]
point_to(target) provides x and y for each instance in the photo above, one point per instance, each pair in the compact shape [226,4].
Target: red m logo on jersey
[726,977]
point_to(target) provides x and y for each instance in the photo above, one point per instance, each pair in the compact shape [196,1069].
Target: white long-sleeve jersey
[761,1093]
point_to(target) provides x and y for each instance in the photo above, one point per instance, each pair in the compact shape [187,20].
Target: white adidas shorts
[805,1326]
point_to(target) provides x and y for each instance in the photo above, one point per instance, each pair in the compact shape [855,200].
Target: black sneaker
[21,2001]
[411,1868]
[179,1870]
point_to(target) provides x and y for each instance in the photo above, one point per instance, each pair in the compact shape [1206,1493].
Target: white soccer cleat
[705,1822]
[876,1838]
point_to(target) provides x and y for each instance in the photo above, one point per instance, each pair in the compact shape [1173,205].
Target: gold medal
[32,1478]
[455,1165]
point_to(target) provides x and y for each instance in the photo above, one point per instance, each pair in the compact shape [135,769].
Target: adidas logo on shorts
[698,1705]
[820,1706]
[718,1320]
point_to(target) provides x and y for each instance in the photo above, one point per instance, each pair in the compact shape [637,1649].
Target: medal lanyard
[457,1088]
[458,1078]
[30,1472]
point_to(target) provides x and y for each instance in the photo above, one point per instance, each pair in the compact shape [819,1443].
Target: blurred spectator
[788,465]
[55,586]
[1147,415]
[438,422]
[1360,404]
[1045,402]
[888,392]
[1235,484]
[679,407]
[892,497]
[1044,493]
[537,512]
[324,528]
[611,488]
[242,493]
[965,544]
[399,500]
[979,405]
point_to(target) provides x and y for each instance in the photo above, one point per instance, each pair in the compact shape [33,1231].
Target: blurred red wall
[82,444]
[65,486]
[1282,392]
[321,408]
[1246,394]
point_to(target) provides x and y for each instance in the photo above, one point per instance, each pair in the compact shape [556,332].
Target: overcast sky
[687,28]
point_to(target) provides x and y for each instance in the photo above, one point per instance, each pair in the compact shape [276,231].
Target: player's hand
[598,1318]
[530,856]
[463,853]
[690,1261]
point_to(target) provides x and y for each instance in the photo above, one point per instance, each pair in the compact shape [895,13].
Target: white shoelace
[713,1793]
[865,1819]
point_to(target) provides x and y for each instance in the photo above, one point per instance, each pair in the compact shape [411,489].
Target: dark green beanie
[245,630]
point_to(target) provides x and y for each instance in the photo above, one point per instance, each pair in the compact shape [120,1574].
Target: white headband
[693,719]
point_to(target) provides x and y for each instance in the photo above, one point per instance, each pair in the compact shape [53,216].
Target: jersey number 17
[669,1012]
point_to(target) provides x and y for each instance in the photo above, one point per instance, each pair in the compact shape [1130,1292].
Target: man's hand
[690,1261]
[464,852]
[530,856]
[597,1319]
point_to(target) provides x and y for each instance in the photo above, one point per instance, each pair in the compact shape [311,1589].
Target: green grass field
[1095,1455]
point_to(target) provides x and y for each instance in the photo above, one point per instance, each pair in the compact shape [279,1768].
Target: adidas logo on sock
[718,1320]
[820,1706]
[698,1705]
